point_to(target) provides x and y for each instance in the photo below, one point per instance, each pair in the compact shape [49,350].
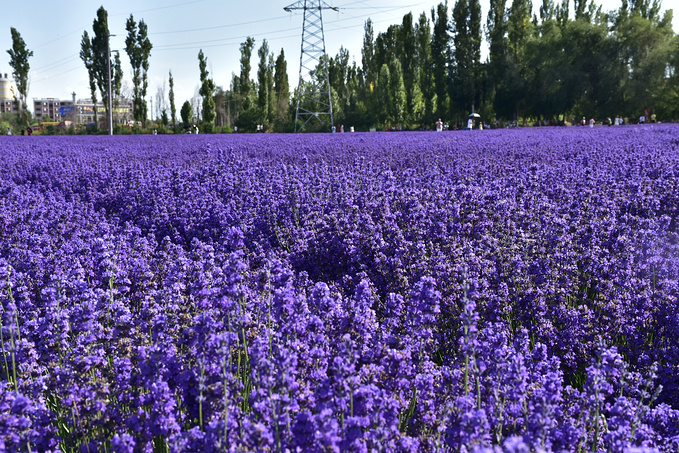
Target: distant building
[84,112]
[7,103]
[6,87]
[52,108]
[8,107]
[79,112]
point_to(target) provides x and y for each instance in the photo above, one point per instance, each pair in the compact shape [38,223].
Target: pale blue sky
[179,29]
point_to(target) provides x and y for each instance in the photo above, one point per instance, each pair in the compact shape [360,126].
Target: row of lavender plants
[498,291]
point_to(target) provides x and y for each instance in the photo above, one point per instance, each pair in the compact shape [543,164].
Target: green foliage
[173,108]
[19,56]
[555,65]
[398,98]
[265,79]
[249,119]
[425,68]
[207,89]
[207,128]
[186,113]
[466,25]
[282,92]
[245,85]
[96,56]
[138,48]
[440,50]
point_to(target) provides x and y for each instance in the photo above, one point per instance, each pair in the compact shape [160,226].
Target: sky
[178,30]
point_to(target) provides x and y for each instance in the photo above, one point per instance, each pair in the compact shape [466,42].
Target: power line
[159,8]
[237,39]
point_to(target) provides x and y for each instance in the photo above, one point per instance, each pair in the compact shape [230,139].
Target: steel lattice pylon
[313,96]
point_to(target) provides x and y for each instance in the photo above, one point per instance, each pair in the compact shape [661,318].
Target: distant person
[30,131]
[652,117]
[583,121]
[642,119]
[439,125]
[9,131]
[591,122]
[470,124]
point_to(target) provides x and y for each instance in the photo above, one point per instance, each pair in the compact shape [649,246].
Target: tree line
[548,67]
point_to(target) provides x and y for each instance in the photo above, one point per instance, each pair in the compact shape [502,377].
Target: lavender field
[494,291]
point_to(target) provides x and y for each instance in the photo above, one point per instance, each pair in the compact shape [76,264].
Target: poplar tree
[408,62]
[424,67]
[397,90]
[19,56]
[369,65]
[207,88]
[245,68]
[466,24]
[440,50]
[383,95]
[138,48]
[264,75]
[282,90]
[186,113]
[519,27]
[93,53]
[173,108]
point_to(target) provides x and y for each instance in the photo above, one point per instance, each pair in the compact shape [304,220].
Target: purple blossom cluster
[510,291]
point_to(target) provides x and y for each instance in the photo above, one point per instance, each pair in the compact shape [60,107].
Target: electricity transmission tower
[313,96]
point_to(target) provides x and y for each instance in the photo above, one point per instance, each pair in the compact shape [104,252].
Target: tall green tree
[425,74]
[282,90]
[93,53]
[186,113]
[265,81]
[440,50]
[383,95]
[496,35]
[138,48]
[338,70]
[398,98]
[408,59]
[466,27]
[245,84]
[513,90]
[207,88]
[19,56]
[647,43]
[369,65]
[173,108]
[271,87]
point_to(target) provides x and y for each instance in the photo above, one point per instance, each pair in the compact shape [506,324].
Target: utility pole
[109,118]
[313,97]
